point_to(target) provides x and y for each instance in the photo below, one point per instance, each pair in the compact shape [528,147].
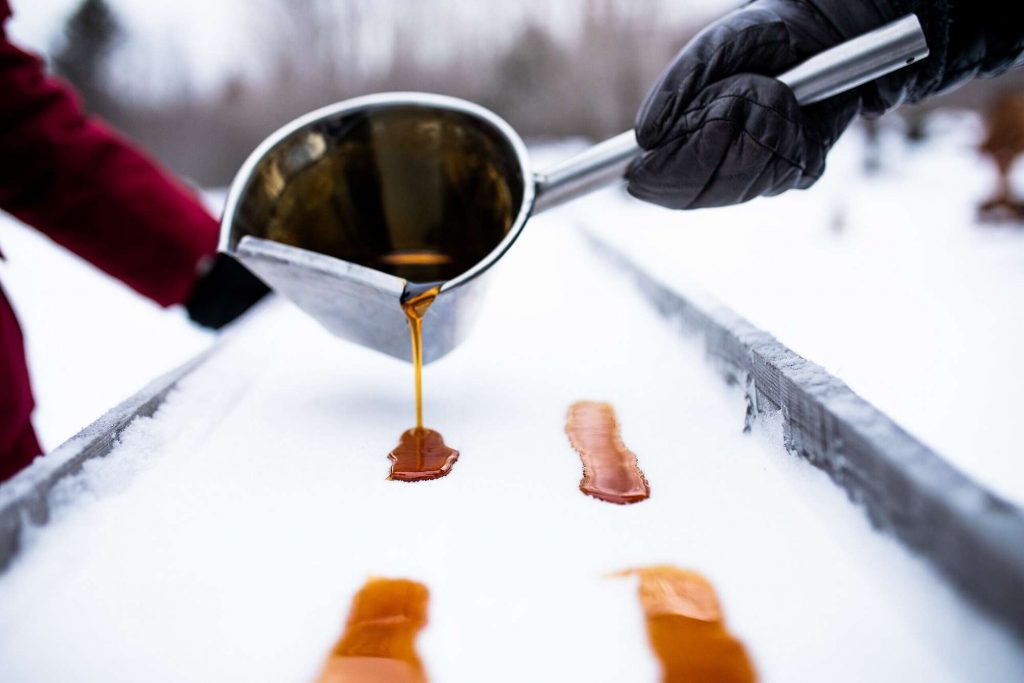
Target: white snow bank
[225,538]
[887,281]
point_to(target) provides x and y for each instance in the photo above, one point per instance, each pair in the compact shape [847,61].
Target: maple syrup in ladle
[421,191]
[421,453]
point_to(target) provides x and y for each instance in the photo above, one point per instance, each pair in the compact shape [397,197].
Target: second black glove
[225,291]
[719,130]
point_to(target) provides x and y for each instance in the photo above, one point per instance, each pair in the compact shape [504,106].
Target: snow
[224,538]
[887,281]
[91,342]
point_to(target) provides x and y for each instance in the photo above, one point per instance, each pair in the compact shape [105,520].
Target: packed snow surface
[224,538]
[886,279]
[91,341]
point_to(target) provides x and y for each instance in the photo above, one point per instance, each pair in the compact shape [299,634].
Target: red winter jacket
[90,191]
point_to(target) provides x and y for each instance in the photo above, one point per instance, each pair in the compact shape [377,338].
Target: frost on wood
[27,498]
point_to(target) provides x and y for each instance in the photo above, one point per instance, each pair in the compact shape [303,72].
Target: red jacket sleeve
[91,191]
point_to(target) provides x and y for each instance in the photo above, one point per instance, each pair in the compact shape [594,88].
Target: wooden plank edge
[25,498]
[973,537]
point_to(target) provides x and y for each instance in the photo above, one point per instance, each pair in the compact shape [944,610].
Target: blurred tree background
[571,68]
[583,77]
[90,37]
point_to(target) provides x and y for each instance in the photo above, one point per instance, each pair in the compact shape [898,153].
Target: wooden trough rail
[26,499]
[972,536]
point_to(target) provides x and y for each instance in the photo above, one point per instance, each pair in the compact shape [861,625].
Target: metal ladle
[345,208]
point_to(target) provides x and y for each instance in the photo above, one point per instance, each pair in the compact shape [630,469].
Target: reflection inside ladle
[415,257]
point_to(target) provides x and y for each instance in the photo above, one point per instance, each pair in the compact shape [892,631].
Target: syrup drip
[415,305]
[379,642]
[686,628]
[421,453]
[610,470]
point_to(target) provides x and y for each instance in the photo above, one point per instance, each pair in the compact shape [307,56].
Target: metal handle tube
[838,69]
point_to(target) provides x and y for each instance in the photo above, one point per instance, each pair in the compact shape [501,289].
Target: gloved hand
[223,292]
[719,130]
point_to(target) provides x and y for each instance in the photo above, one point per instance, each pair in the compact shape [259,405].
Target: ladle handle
[838,69]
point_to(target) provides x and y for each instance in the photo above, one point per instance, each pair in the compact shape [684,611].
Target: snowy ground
[887,281]
[224,539]
[91,341]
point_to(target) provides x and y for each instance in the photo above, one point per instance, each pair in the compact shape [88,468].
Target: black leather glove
[223,292]
[719,130]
